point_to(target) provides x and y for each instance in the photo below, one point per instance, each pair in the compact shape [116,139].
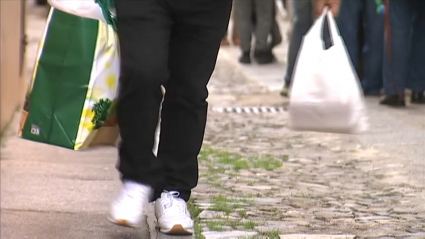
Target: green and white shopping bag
[72,97]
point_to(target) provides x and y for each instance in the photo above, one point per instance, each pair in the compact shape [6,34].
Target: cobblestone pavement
[259,179]
[258,176]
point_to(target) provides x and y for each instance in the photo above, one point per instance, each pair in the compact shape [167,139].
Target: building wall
[12,63]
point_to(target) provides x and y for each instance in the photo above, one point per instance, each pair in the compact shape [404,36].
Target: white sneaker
[172,214]
[129,207]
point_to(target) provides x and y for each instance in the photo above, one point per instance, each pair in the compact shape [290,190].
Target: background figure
[416,80]
[276,36]
[303,19]
[404,57]
[355,15]
[264,20]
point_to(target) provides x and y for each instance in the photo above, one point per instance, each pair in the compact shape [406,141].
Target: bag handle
[318,26]
[332,23]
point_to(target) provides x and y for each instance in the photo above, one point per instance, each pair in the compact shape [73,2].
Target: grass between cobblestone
[195,211]
[217,161]
[227,205]
[234,216]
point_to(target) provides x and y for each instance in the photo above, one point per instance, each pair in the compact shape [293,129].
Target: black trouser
[174,44]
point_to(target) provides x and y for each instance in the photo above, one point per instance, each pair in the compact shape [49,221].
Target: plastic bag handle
[332,23]
[320,22]
[333,28]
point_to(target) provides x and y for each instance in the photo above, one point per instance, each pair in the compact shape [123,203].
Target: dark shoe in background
[394,101]
[418,97]
[264,57]
[245,58]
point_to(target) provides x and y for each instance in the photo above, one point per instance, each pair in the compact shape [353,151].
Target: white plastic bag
[82,8]
[325,93]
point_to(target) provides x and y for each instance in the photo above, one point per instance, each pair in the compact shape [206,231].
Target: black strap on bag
[326,34]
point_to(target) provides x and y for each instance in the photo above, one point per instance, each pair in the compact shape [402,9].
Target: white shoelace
[173,204]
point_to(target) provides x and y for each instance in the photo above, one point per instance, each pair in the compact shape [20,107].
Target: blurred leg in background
[373,26]
[303,19]
[366,54]
[397,51]
[276,36]
[417,70]
[244,25]
[262,10]
[264,16]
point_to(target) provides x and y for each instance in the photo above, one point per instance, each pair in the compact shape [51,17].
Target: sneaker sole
[123,223]
[176,230]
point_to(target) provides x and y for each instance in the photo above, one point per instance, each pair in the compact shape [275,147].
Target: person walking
[353,16]
[172,44]
[405,52]
[275,34]
[305,11]
[264,15]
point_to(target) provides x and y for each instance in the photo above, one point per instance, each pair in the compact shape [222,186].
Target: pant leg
[243,17]
[349,27]
[194,45]
[144,62]
[303,19]
[374,47]
[396,66]
[276,36]
[264,20]
[417,59]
